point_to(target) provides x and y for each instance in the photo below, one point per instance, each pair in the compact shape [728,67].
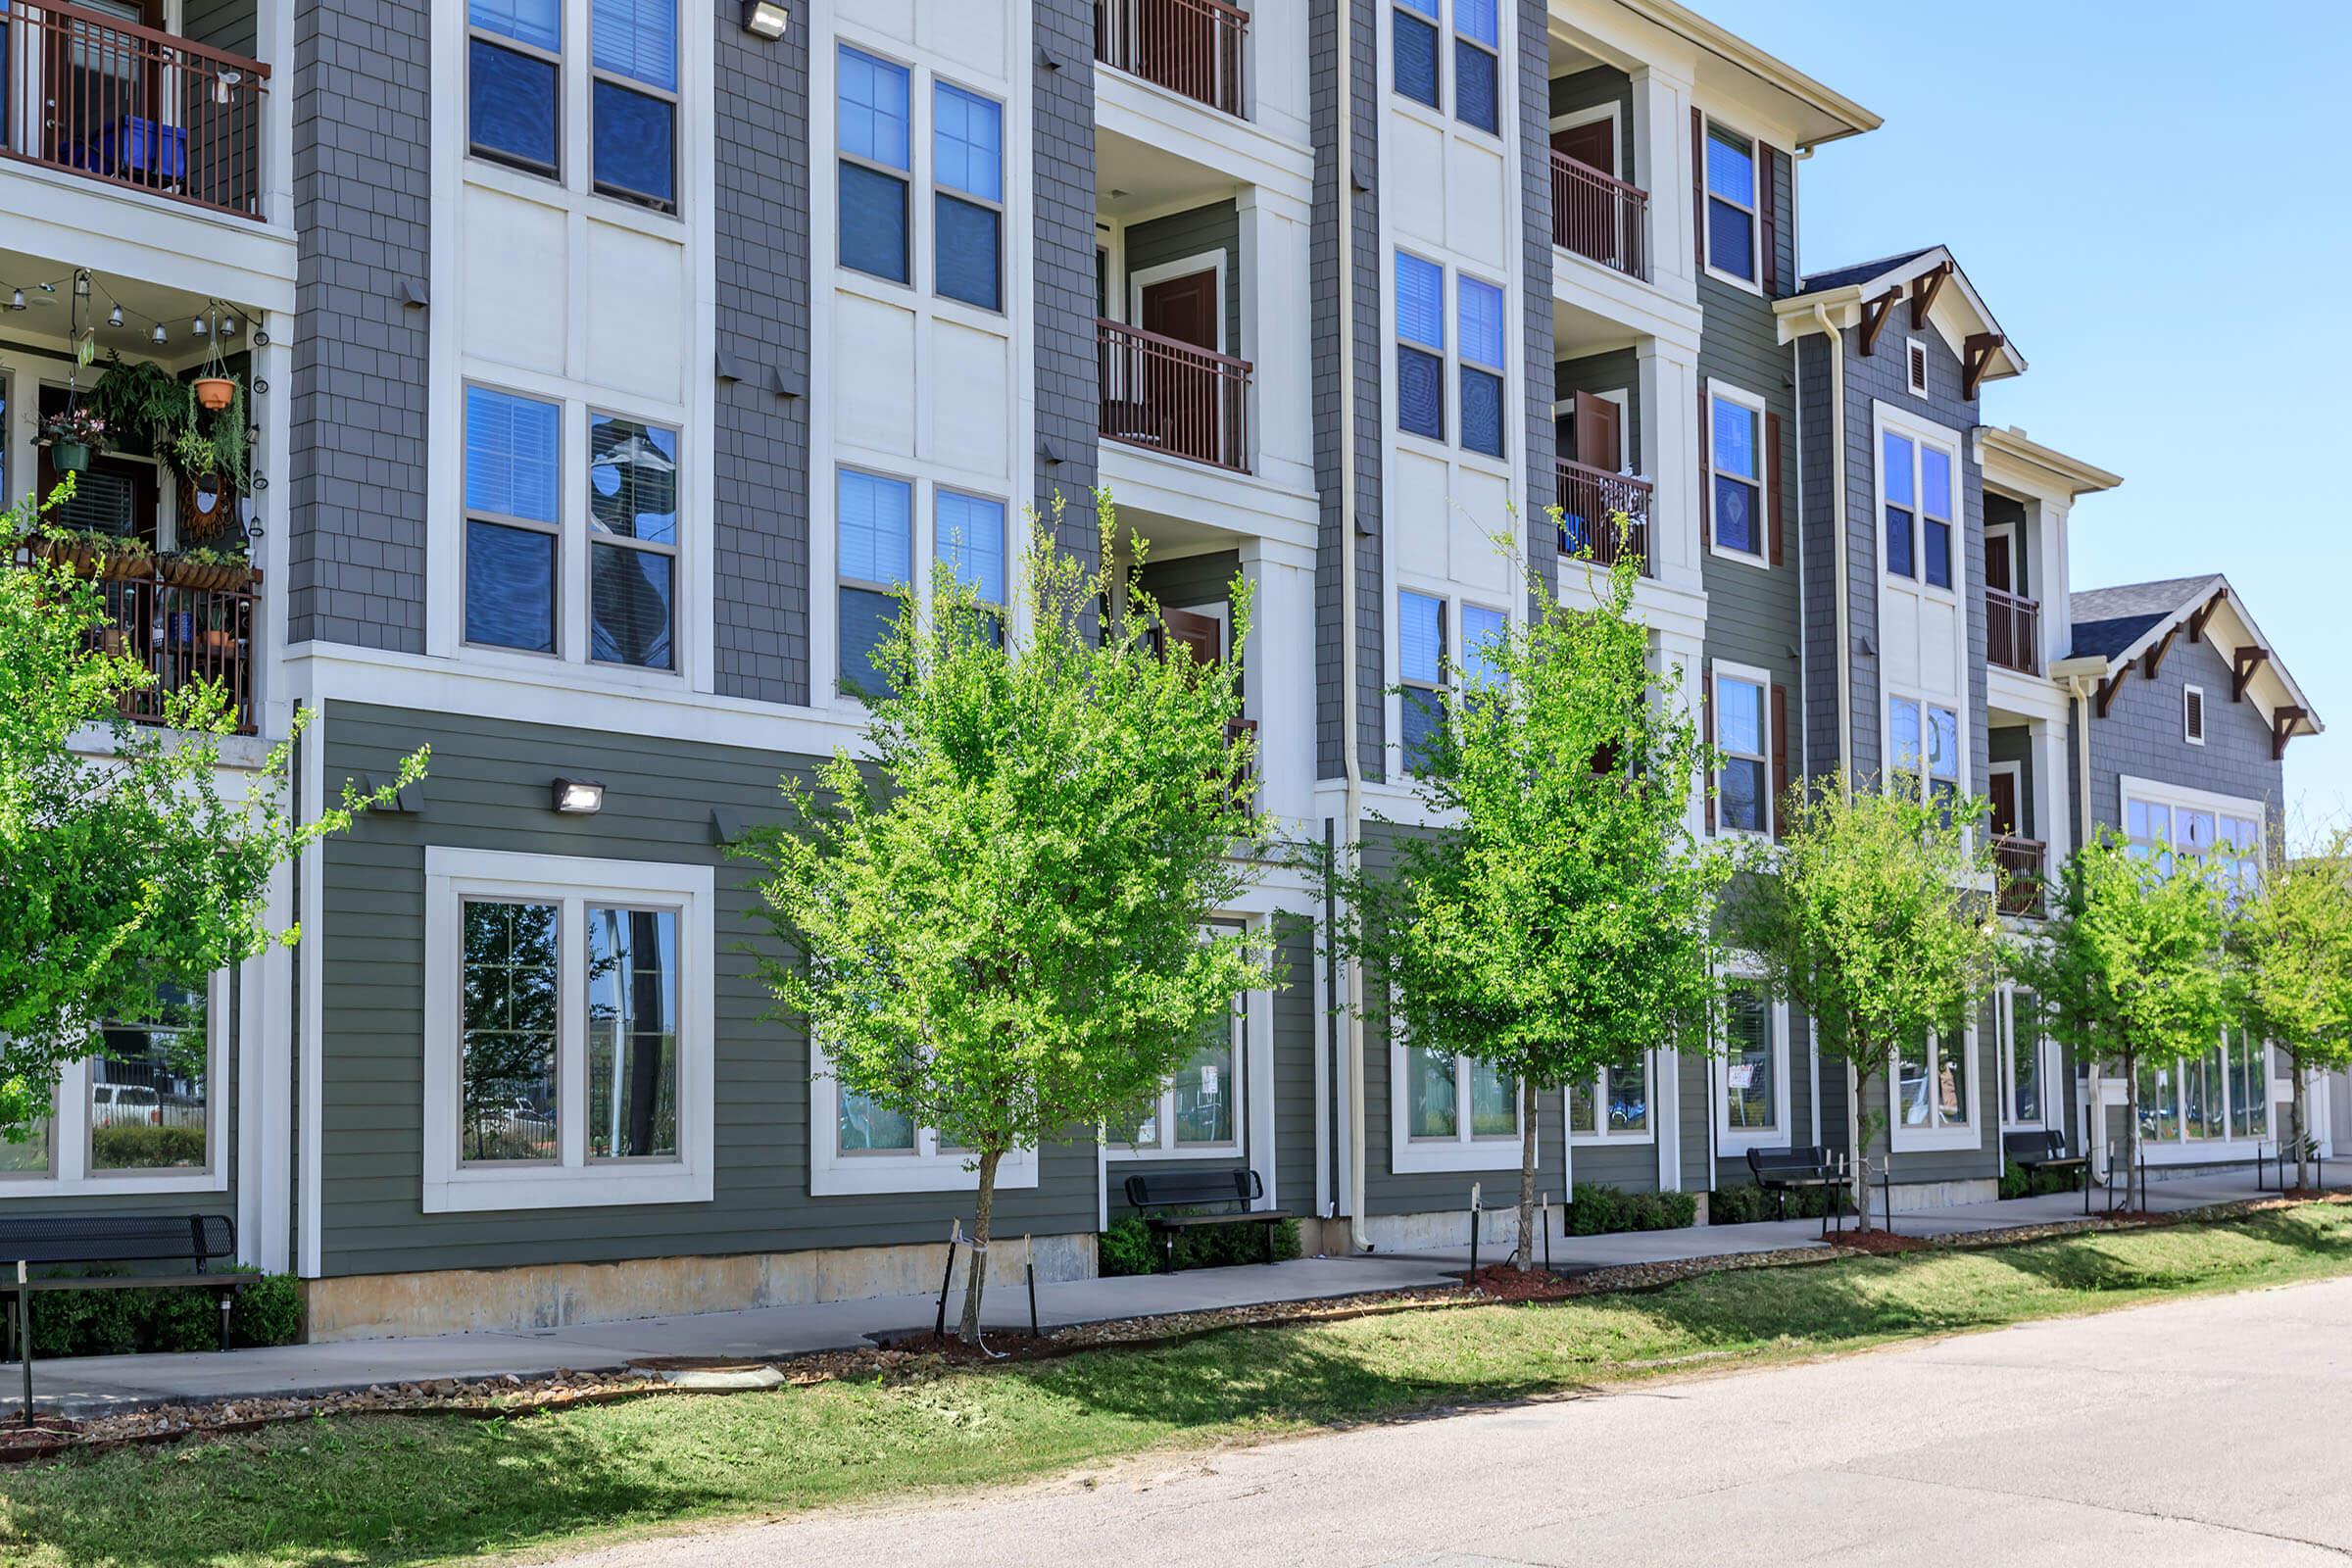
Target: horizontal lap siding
[488,789]
[1629,1166]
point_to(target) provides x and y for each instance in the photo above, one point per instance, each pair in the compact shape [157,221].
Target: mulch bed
[1499,1282]
[993,1347]
[1881,1243]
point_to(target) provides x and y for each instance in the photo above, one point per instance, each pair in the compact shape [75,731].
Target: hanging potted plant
[215,386]
[75,435]
[141,397]
[210,456]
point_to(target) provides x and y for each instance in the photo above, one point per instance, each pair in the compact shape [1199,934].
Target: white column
[1665,1116]
[2053,800]
[2050,584]
[273,367]
[1279,675]
[1668,378]
[273,45]
[1662,167]
[1277,336]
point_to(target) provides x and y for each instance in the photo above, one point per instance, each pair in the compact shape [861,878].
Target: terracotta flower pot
[213,392]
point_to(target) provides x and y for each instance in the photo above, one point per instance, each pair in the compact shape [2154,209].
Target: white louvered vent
[2192,713]
[1917,356]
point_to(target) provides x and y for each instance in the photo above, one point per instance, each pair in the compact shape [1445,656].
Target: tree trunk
[2131,1127]
[977,1281]
[1859,1165]
[1527,1176]
[2294,1066]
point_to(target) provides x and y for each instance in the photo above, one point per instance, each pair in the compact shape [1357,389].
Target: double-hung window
[2017,1015]
[568,1051]
[875,528]
[1414,40]
[969,536]
[1742,723]
[1420,347]
[968,167]
[1614,1103]
[1752,1068]
[633,99]
[1916,479]
[1478,308]
[512,479]
[513,82]
[874,131]
[633,543]
[1421,671]
[1477,64]
[1732,227]
[1737,459]
[1924,745]
[1932,1090]
[1483,632]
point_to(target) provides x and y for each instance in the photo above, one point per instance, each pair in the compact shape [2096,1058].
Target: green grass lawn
[404,1489]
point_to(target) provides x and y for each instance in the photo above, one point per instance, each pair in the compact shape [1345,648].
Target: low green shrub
[1601,1210]
[137,1146]
[1131,1247]
[2016,1183]
[119,1322]
[1743,1206]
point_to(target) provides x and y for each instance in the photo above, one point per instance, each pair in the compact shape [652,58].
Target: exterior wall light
[579,796]
[765,18]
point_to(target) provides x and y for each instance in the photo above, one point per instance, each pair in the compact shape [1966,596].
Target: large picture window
[1932,1088]
[1200,1109]
[2162,825]
[135,1115]
[569,1045]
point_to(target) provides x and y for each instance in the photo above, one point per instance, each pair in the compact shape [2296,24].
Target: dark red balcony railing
[1591,502]
[1168,395]
[1599,217]
[1193,47]
[2013,631]
[185,623]
[133,106]
[2023,869]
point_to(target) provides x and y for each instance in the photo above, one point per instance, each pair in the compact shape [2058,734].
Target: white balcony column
[1661,166]
[2050,584]
[1277,336]
[273,46]
[1668,380]
[1277,674]
[1681,656]
[2053,800]
[273,511]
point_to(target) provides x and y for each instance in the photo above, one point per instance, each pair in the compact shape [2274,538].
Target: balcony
[131,106]
[1191,47]
[1591,501]
[1599,217]
[1170,396]
[2012,632]
[186,622]
[2023,866]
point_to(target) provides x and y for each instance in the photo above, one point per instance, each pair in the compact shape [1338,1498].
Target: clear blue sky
[2146,195]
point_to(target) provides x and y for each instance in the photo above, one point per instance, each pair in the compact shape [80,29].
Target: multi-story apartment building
[613,363]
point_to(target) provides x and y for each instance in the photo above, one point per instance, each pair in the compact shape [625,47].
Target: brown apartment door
[1996,563]
[1599,433]
[1593,144]
[2002,789]
[1179,391]
[1201,638]
[1586,218]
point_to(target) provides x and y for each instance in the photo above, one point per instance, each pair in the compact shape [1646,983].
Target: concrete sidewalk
[100,1385]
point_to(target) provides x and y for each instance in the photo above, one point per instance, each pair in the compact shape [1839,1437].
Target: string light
[159,336]
[16,299]
[114,317]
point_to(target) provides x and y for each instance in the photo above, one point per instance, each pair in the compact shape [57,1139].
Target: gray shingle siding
[760,518]
[1068,363]
[2143,737]
[488,791]
[362,171]
[1364,274]
[1535,208]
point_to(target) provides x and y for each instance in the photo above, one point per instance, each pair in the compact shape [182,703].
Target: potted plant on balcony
[204,570]
[210,455]
[75,435]
[91,553]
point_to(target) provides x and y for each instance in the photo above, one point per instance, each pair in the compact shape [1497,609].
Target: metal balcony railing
[1174,397]
[1599,217]
[1591,502]
[1193,47]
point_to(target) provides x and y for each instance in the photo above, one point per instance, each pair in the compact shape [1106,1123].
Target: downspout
[1351,765]
[1845,634]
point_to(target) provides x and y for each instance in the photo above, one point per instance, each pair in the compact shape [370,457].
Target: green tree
[2129,965]
[1873,913]
[2293,945]
[1559,921]
[995,923]
[129,878]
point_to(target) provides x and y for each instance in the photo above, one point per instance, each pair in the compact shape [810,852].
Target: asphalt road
[2196,1432]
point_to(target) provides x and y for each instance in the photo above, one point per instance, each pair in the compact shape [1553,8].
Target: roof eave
[1847,117]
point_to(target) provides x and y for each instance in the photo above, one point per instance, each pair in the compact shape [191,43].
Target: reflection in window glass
[632,1034]
[1429,1093]
[1730,203]
[147,1089]
[2160,1099]
[1935,515]
[2202,1111]
[1204,1090]
[1493,1103]
[863,1127]
[1421,665]
[1738,476]
[1749,1074]
[633,527]
[2249,1086]
[1895,475]
[1743,795]
[1628,1089]
[509,1012]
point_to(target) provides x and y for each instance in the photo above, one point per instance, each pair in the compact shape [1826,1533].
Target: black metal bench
[2041,1150]
[1196,1189]
[1783,1170]
[195,1240]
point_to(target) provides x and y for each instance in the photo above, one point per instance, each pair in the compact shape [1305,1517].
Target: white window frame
[2194,734]
[1938,1135]
[1718,671]
[1408,1155]
[928,1167]
[1186,267]
[1448,355]
[1457,352]
[453,875]
[1922,434]
[1924,703]
[2183,1149]
[1247,1024]
[1600,1133]
[1740,396]
[1761,167]
[2004,1053]
[1737,1140]
[71,1171]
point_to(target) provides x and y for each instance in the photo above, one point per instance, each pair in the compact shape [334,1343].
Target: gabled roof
[1958,312]
[2120,626]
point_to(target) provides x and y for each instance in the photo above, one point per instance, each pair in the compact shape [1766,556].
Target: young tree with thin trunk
[2293,945]
[2129,965]
[1874,913]
[1557,922]
[996,920]
[127,877]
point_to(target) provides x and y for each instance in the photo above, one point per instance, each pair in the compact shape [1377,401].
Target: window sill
[1121,1154]
[1745,558]
[1934,1140]
[126,1184]
[1735,280]
[475,1191]
[855,1176]
[1642,1140]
